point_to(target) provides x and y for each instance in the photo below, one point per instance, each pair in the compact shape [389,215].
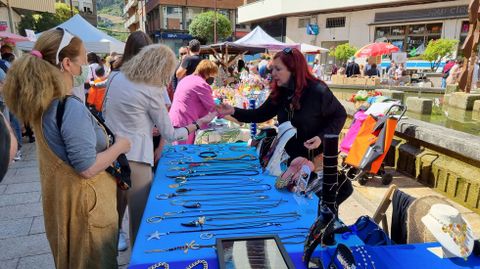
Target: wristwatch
[196,125]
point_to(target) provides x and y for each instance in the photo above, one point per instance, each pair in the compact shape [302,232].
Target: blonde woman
[79,197]
[134,103]
[193,97]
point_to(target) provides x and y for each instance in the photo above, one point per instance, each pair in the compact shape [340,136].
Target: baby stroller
[367,142]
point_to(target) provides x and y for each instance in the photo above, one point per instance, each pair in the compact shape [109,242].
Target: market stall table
[151,236]
[409,256]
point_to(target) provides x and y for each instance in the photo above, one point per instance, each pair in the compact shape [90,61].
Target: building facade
[135,15]
[11,10]
[87,9]
[167,21]
[410,25]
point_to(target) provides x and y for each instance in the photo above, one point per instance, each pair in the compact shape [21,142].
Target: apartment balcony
[129,5]
[132,20]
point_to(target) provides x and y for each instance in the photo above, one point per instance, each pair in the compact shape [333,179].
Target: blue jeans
[444,83]
[15,123]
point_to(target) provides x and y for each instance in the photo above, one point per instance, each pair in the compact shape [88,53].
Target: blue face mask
[82,78]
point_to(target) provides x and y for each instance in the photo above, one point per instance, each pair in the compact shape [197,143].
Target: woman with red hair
[299,97]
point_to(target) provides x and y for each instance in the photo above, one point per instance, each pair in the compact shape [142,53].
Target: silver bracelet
[159,265]
[203,262]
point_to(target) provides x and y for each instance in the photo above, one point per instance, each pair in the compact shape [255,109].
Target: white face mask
[82,78]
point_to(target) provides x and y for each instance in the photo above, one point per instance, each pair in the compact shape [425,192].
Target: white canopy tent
[94,39]
[259,38]
[307,48]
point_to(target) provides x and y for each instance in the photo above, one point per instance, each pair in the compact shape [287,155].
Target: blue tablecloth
[406,257]
[179,259]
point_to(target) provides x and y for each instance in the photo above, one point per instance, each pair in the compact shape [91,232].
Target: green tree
[437,50]
[202,26]
[343,52]
[40,22]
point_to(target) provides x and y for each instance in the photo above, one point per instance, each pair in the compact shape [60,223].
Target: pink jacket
[191,101]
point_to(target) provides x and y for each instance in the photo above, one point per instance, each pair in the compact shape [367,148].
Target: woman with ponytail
[79,197]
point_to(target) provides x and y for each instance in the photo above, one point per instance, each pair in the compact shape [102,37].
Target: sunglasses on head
[287,51]
[66,39]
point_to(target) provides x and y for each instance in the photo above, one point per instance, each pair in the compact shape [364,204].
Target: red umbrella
[376,49]
[12,37]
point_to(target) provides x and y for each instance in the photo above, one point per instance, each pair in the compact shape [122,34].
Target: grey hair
[153,65]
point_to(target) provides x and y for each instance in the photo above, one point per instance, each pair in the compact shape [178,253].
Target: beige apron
[81,219]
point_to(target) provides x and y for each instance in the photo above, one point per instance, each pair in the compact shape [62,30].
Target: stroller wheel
[387,179]
[363,180]
[351,173]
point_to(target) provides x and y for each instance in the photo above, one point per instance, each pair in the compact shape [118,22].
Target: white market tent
[94,39]
[306,48]
[259,38]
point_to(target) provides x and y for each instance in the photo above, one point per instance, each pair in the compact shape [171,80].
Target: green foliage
[43,21]
[115,10]
[343,52]
[437,50]
[202,26]
[112,4]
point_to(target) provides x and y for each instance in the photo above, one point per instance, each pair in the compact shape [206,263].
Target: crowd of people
[146,97]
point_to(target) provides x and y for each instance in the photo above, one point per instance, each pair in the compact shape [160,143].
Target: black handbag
[120,169]
[4,146]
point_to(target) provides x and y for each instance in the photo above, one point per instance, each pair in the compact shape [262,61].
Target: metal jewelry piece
[202,262]
[165,196]
[192,245]
[201,221]
[157,219]
[159,265]
[227,184]
[154,235]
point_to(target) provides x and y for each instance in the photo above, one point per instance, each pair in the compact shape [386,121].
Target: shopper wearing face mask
[78,196]
[193,97]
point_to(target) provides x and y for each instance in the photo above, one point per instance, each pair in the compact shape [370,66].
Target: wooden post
[470,46]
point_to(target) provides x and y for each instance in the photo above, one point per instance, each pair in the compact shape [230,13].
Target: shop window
[382,32]
[465,28]
[190,13]
[303,22]
[416,29]
[435,28]
[337,22]
[415,45]
[398,30]
[172,18]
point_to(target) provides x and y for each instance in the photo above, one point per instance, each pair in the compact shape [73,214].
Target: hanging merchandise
[277,154]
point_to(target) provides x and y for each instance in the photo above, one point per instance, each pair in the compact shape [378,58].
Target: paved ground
[22,235]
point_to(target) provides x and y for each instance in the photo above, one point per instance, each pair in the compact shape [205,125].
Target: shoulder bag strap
[106,90]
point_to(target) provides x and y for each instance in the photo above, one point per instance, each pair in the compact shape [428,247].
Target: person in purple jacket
[193,97]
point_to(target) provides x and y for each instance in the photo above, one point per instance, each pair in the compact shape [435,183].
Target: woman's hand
[122,143]
[225,109]
[313,143]
[207,118]
[155,131]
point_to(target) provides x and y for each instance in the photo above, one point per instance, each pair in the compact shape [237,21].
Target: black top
[320,113]
[175,79]
[352,69]
[190,63]
[372,72]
